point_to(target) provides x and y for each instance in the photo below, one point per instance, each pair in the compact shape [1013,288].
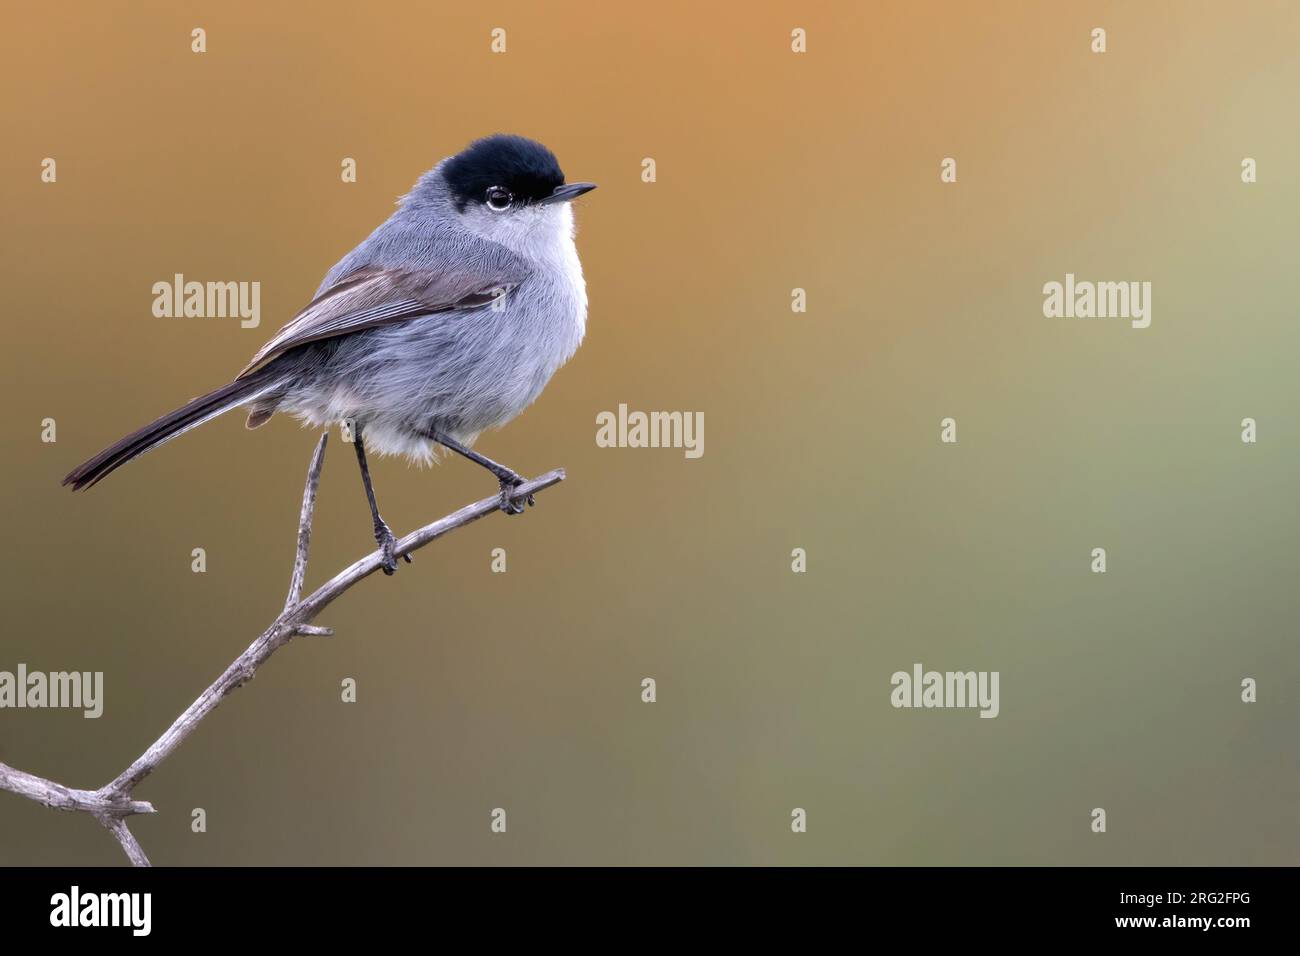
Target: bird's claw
[388,545]
[509,504]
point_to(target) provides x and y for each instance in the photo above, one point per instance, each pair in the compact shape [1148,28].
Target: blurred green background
[522,690]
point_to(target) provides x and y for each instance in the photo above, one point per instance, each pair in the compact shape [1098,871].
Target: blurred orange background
[774,171]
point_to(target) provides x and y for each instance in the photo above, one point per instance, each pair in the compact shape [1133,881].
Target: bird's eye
[499,199]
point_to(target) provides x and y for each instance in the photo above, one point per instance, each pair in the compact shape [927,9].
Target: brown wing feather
[372,297]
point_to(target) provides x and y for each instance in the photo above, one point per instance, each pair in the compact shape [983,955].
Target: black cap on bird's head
[506,172]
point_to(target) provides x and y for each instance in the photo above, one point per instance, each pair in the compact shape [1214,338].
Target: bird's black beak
[568,192]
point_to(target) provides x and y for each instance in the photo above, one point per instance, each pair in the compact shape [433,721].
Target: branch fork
[113,803]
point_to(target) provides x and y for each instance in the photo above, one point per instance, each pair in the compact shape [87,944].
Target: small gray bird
[449,319]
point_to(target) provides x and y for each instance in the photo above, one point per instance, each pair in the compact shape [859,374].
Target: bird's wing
[374,296]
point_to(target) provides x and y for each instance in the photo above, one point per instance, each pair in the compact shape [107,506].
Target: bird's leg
[383,534]
[509,480]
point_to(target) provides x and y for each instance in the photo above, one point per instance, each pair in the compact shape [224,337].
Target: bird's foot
[509,503]
[388,545]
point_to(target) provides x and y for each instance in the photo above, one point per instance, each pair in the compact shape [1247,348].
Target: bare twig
[304,522]
[113,803]
[59,797]
[131,846]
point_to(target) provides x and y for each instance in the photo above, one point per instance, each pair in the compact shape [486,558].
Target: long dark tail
[195,413]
